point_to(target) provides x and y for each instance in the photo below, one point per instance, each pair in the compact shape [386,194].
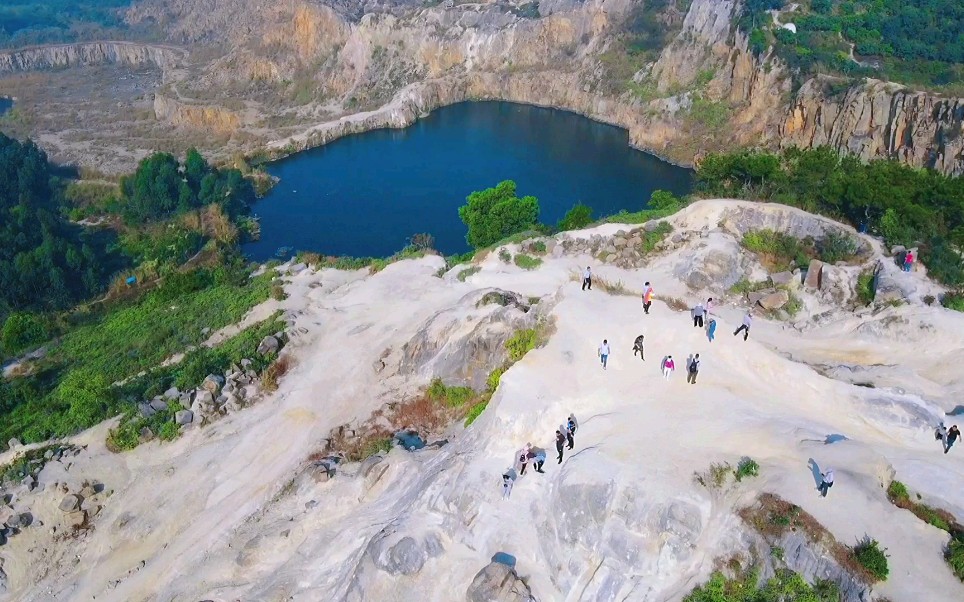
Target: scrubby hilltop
[295,497]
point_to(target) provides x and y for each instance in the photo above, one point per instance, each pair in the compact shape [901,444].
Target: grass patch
[527,262]
[504,255]
[900,496]
[745,287]
[654,237]
[780,252]
[747,467]
[793,305]
[463,274]
[773,516]
[31,462]
[953,301]
[955,555]
[674,303]
[745,586]
[873,558]
[865,287]
[521,343]
[475,411]
[451,396]
[715,476]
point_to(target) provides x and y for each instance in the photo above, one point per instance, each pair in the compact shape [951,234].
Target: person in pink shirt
[909,261]
[668,366]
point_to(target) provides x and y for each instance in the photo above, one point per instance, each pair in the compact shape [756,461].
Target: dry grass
[773,516]
[607,286]
[674,303]
[272,375]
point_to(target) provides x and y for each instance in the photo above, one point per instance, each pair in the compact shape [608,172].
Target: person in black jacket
[560,443]
[952,436]
[638,347]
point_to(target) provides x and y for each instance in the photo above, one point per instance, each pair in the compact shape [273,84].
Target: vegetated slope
[31,22]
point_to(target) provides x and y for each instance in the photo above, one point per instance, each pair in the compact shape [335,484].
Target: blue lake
[5,104]
[364,195]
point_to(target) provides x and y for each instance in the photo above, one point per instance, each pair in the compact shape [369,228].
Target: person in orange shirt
[647,297]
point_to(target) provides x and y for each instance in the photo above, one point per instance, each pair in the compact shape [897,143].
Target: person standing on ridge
[604,353]
[638,347]
[587,279]
[827,482]
[693,370]
[647,298]
[560,443]
[952,436]
[508,480]
[565,430]
[668,366]
[909,261]
[538,458]
[698,312]
[573,424]
[709,307]
[745,327]
[711,329]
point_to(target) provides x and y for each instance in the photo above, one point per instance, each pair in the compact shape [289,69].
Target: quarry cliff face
[297,73]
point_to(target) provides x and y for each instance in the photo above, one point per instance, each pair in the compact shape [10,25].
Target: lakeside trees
[907,206]
[495,213]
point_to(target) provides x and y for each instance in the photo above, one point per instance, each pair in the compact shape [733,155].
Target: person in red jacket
[909,261]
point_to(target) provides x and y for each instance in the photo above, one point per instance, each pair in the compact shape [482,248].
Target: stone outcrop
[498,582]
[93,53]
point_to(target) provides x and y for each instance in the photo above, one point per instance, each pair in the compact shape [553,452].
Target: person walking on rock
[523,459]
[711,329]
[909,261]
[745,327]
[538,457]
[604,353]
[693,370]
[560,443]
[827,482]
[573,424]
[565,430]
[508,480]
[940,434]
[638,347]
[952,436]
[668,366]
[587,279]
[698,312]
[647,297]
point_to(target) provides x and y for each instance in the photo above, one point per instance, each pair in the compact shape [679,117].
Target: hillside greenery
[919,42]
[785,586]
[907,206]
[495,213]
[30,22]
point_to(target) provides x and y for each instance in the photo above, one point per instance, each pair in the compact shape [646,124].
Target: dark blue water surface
[5,104]
[364,195]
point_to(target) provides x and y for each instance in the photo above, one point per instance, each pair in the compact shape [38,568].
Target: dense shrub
[521,343]
[22,330]
[785,586]
[955,555]
[495,213]
[578,217]
[873,558]
[527,262]
[747,467]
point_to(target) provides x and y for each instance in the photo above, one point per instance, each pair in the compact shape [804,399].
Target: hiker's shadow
[815,469]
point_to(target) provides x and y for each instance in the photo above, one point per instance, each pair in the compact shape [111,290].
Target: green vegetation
[955,555]
[654,237]
[576,218]
[29,22]
[21,331]
[495,213]
[899,495]
[521,343]
[462,275]
[452,396]
[785,586]
[873,558]
[744,286]
[476,411]
[504,255]
[162,187]
[715,476]
[527,262]
[45,263]
[953,301]
[910,41]
[905,205]
[747,467]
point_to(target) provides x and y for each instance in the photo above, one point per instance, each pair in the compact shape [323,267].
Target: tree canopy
[45,262]
[495,213]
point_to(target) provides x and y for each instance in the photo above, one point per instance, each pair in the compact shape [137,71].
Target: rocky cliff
[297,73]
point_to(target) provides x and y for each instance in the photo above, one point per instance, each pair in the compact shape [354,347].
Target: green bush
[521,343]
[492,382]
[955,555]
[953,301]
[873,558]
[785,586]
[462,275]
[526,262]
[21,331]
[662,200]
[576,218]
[504,255]
[451,396]
[865,287]
[834,247]
[746,468]
[475,411]
[495,213]
[654,237]
[897,492]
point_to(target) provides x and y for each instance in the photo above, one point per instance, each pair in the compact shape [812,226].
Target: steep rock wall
[94,53]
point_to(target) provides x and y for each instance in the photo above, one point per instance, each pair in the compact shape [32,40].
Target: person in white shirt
[698,312]
[745,327]
[508,480]
[604,353]
[587,279]
[827,482]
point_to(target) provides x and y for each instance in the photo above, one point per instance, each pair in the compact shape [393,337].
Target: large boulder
[814,274]
[783,278]
[213,383]
[775,300]
[268,345]
[498,582]
[183,417]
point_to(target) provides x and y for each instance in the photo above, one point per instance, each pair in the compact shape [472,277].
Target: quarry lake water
[5,104]
[364,195]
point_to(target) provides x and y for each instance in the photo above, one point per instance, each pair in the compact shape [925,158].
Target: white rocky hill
[237,511]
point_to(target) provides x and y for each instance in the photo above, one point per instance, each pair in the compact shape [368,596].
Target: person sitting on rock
[638,347]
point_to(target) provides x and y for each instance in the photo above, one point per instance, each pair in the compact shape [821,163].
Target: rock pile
[81,504]
[625,249]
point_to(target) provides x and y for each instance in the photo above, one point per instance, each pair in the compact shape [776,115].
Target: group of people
[947,437]
[536,456]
